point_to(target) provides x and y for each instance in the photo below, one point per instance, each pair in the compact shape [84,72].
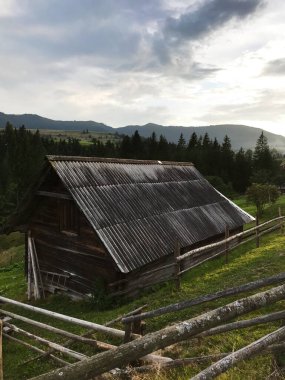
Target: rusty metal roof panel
[139,209]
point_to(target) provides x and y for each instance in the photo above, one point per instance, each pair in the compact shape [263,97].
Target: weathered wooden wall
[80,256]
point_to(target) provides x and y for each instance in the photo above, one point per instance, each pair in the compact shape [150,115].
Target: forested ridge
[22,155]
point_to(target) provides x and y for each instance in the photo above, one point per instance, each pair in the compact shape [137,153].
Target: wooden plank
[29,275]
[46,342]
[257,231]
[38,267]
[54,195]
[132,371]
[34,269]
[243,324]
[36,349]
[282,224]
[55,330]
[244,353]
[77,321]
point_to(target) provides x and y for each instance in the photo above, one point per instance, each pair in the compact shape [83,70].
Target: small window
[69,218]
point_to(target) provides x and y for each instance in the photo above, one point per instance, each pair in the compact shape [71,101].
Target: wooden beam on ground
[165,366]
[243,324]
[208,297]
[244,353]
[80,322]
[55,330]
[46,342]
[131,371]
[126,353]
[36,349]
[102,345]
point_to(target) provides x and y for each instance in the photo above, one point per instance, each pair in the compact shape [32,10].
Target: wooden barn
[118,220]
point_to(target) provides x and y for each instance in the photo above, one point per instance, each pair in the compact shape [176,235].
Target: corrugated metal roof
[141,208]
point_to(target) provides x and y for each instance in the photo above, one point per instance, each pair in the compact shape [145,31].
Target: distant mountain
[240,135]
[37,122]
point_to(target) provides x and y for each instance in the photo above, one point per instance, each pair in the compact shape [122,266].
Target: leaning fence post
[227,234]
[281,224]
[177,265]
[257,231]
[29,273]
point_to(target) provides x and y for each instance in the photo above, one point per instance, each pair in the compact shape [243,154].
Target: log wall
[80,256]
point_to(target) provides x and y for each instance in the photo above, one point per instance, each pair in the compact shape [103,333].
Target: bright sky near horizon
[171,62]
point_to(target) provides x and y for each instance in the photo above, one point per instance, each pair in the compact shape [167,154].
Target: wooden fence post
[282,224]
[227,234]
[177,266]
[138,325]
[29,272]
[257,231]
[128,331]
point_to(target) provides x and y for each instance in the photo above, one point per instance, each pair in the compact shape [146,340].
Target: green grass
[84,138]
[270,212]
[246,263]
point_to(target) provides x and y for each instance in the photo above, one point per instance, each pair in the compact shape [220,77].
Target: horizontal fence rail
[280,278]
[198,256]
[230,239]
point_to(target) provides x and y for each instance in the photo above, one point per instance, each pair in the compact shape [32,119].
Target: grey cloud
[121,35]
[268,106]
[276,67]
[109,30]
[199,71]
[209,16]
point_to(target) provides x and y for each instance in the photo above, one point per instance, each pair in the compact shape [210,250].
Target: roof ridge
[116,160]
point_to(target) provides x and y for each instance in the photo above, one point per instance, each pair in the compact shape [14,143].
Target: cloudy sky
[172,62]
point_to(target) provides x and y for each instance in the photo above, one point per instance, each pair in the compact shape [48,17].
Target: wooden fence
[198,256]
[177,264]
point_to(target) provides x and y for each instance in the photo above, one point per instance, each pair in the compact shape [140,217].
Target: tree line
[22,154]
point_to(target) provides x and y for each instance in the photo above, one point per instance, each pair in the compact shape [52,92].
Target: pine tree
[180,148]
[192,144]
[227,160]
[262,158]
[163,149]
[137,146]
[242,171]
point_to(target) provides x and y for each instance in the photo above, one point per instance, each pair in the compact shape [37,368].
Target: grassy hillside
[83,137]
[246,264]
